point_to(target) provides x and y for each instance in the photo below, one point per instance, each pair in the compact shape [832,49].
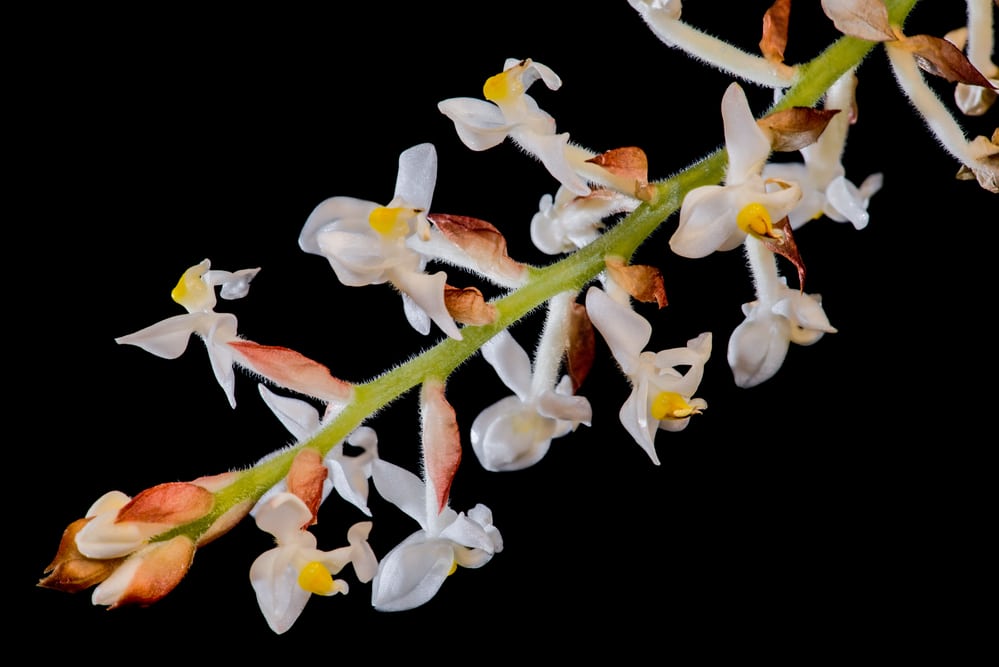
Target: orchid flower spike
[285,578]
[369,244]
[661,396]
[825,188]
[719,217]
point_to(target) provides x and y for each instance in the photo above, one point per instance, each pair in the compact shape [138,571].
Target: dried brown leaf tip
[580,349]
[775,23]
[941,58]
[641,281]
[481,241]
[864,19]
[793,129]
[630,167]
[782,243]
[468,306]
[986,171]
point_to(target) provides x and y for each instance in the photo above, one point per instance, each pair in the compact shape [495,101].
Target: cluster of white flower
[125,545]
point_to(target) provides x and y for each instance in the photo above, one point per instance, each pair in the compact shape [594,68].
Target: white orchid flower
[511,112]
[516,431]
[661,396]
[718,217]
[568,221]
[414,570]
[369,244]
[285,577]
[757,347]
[196,292]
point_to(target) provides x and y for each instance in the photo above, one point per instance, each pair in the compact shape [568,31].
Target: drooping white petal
[222,331]
[637,420]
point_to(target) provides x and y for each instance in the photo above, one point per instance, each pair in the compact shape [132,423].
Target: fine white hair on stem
[676,33]
[981,36]
[936,116]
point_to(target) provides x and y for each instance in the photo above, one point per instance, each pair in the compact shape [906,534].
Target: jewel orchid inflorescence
[593,296]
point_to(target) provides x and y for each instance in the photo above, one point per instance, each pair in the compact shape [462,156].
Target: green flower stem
[571,273]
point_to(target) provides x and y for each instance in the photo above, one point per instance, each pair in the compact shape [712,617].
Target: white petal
[748,146]
[427,292]
[574,409]
[510,361]
[234,285]
[357,257]
[168,338]
[465,532]
[300,418]
[283,517]
[329,212]
[626,332]
[217,341]
[275,582]
[480,125]
[401,488]
[846,199]
[551,150]
[536,71]
[417,176]
[757,348]
[707,222]
[638,422]
[411,574]
[510,435]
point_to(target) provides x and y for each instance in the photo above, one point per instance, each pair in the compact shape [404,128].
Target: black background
[835,504]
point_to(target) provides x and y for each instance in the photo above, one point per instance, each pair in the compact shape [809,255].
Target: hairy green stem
[571,273]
